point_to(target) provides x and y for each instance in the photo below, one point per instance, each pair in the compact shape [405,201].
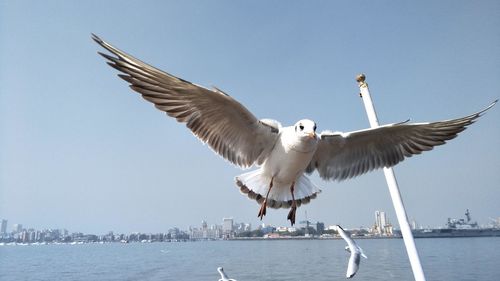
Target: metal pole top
[360,78]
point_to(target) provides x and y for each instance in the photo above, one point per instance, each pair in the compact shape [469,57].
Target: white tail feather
[256,185]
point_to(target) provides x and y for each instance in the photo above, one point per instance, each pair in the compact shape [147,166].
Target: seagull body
[283,155]
[356,253]
[281,177]
[223,276]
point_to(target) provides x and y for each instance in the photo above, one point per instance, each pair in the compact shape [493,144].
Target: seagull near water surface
[283,155]
[223,275]
[356,253]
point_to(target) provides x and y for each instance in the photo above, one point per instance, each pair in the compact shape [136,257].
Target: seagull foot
[262,211]
[291,215]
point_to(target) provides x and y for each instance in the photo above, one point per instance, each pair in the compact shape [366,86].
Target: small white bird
[223,276]
[283,154]
[355,251]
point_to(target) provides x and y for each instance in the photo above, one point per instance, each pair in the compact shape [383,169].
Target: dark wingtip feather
[126,78]
[108,57]
[96,38]
[113,65]
[489,106]
[482,112]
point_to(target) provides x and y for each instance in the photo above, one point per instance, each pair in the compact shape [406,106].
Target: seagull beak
[312,135]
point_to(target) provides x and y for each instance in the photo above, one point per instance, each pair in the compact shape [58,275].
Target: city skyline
[382,225]
[79,149]
[226,223]
[229,229]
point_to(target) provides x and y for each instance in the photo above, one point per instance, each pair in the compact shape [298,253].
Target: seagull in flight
[223,276]
[283,155]
[356,253]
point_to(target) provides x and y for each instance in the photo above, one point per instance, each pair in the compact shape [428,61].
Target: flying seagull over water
[356,253]
[282,154]
[223,276]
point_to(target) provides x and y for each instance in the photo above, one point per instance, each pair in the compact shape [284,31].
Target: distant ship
[458,228]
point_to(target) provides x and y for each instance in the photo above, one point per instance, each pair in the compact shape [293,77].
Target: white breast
[290,157]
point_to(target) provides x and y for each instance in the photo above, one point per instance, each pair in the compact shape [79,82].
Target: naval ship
[458,228]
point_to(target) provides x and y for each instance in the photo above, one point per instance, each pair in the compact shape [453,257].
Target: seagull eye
[301,127]
[314,128]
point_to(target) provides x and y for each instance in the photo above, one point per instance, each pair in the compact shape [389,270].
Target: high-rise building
[3,228]
[413,224]
[377,222]
[320,227]
[380,222]
[382,225]
[227,225]
[17,228]
[383,220]
[205,233]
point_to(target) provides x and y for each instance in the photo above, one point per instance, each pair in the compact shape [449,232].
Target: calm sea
[319,260]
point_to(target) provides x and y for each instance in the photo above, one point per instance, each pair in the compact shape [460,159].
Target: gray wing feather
[213,116]
[345,155]
[353,264]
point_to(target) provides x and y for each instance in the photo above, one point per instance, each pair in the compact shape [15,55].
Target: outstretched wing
[213,116]
[353,264]
[345,155]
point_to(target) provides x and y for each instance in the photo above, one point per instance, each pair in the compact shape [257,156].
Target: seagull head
[306,129]
[223,274]
[347,249]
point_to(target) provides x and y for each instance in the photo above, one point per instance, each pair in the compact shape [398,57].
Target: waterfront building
[383,221]
[3,229]
[495,222]
[242,227]
[414,225]
[281,229]
[110,237]
[17,228]
[205,233]
[40,236]
[382,225]
[331,227]
[320,227]
[380,221]
[227,227]
[174,233]
[267,229]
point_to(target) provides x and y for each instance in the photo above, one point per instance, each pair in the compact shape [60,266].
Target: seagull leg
[291,214]
[262,211]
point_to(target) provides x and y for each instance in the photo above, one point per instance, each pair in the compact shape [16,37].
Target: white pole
[397,201]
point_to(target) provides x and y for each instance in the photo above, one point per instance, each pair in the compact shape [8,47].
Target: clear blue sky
[80,150]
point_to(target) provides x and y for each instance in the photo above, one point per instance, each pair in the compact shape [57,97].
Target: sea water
[455,259]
